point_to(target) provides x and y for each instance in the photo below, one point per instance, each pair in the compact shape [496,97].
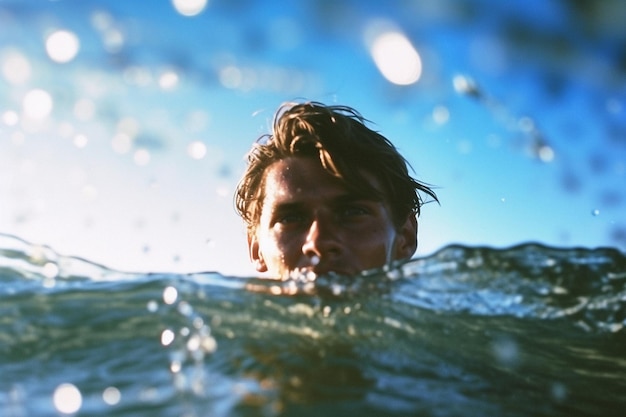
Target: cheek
[380,242]
[278,249]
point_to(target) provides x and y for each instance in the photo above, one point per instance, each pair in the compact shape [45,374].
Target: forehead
[299,176]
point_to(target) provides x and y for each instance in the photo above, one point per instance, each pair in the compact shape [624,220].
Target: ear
[406,239]
[255,254]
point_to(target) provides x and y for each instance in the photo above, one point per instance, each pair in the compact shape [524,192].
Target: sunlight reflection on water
[466,325]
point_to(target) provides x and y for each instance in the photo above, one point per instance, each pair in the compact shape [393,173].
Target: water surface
[529,330]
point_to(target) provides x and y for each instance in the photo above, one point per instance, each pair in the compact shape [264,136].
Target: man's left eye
[290,219]
[351,211]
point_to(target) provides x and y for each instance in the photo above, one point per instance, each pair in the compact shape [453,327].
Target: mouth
[320,270]
[314,267]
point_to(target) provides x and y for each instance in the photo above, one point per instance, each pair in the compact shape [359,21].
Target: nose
[321,240]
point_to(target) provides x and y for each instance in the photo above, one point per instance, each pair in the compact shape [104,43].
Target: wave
[526,330]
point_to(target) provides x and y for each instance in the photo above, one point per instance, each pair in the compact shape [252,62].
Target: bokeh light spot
[121,143]
[15,67]
[10,118]
[168,80]
[84,109]
[231,77]
[141,157]
[101,20]
[67,399]
[396,58]
[111,396]
[189,7]
[152,306]
[62,46]
[50,270]
[113,40]
[197,150]
[167,337]
[80,141]
[465,85]
[546,154]
[441,115]
[37,104]
[170,294]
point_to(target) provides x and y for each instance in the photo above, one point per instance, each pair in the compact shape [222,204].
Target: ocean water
[467,331]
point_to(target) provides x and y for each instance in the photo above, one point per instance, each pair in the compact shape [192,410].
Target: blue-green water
[526,331]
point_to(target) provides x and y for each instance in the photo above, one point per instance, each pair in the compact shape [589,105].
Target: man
[325,194]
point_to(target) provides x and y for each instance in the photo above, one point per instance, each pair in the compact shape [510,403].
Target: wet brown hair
[346,148]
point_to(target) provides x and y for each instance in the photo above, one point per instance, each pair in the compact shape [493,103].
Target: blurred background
[123,125]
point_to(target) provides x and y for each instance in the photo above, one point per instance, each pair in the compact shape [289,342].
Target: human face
[311,222]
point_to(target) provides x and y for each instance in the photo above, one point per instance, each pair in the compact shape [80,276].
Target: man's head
[325,193]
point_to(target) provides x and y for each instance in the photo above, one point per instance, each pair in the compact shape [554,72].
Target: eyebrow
[346,198]
[287,207]
[353,197]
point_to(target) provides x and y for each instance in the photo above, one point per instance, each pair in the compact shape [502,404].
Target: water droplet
[394,274]
[595,212]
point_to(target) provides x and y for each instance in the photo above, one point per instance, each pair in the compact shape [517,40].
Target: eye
[353,210]
[287,219]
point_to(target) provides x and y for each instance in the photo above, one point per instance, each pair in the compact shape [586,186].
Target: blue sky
[135,163]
